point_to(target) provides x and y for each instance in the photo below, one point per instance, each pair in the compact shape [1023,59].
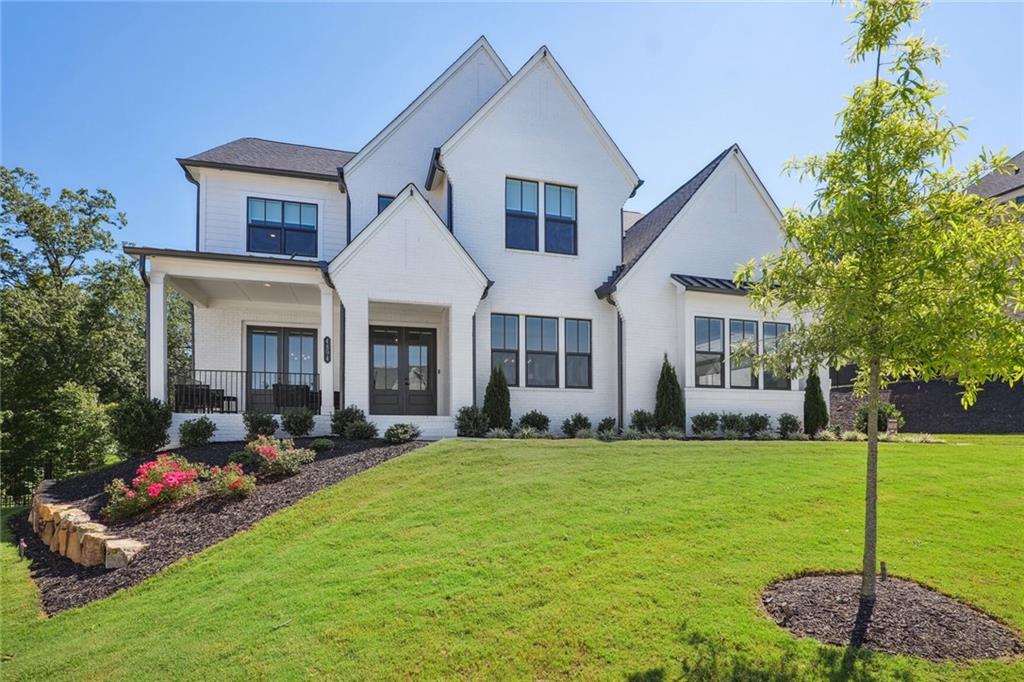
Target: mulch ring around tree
[906,618]
[174,532]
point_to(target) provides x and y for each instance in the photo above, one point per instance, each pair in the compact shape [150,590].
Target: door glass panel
[385,360]
[300,359]
[418,368]
[263,359]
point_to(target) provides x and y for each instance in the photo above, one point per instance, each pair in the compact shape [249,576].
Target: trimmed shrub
[230,481]
[259,424]
[642,420]
[81,430]
[168,478]
[704,423]
[815,410]
[536,419]
[240,457]
[574,423]
[732,434]
[757,422]
[277,458]
[471,422]
[401,433]
[788,423]
[345,416]
[671,433]
[733,421]
[497,404]
[497,433]
[361,430]
[194,433]
[322,445]
[669,410]
[298,421]
[886,411]
[608,424]
[140,425]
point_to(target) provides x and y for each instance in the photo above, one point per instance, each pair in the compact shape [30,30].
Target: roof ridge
[295,144]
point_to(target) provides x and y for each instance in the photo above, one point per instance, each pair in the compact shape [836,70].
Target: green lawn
[537,559]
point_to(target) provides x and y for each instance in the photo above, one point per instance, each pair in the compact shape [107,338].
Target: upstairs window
[505,346]
[560,219]
[284,227]
[773,331]
[520,214]
[578,370]
[383,201]
[709,352]
[742,334]
[542,352]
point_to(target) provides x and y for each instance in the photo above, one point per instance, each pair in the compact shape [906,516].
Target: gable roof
[994,184]
[481,44]
[543,55]
[256,155]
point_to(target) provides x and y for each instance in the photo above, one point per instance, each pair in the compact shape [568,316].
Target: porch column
[157,310]
[357,348]
[327,360]
[460,356]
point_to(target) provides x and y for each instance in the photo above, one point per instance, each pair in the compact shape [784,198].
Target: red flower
[154,490]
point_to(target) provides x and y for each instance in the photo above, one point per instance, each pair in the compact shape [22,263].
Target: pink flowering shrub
[168,478]
[274,458]
[230,481]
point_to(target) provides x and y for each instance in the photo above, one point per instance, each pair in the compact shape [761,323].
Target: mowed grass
[568,559]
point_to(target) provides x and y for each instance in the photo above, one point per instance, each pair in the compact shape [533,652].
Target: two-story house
[482,227]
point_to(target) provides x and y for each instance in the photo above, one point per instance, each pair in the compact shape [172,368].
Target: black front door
[403,374]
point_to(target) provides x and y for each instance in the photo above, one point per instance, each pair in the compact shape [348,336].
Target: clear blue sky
[107,95]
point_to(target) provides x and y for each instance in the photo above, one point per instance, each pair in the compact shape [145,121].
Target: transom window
[773,331]
[578,371]
[520,214]
[505,346]
[285,227]
[542,352]
[709,351]
[383,201]
[742,335]
[560,219]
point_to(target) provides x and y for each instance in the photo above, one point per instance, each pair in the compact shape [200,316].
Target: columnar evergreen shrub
[194,433]
[815,410]
[298,421]
[788,423]
[704,423]
[536,419]
[886,411]
[497,404]
[669,410]
[642,420]
[343,417]
[259,424]
[471,422]
[574,423]
[140,425]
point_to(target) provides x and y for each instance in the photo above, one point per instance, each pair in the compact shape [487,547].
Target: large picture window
[773,331]
[520,214]
[542,352]
[709,352]
[742,335]
[285,227]
[505,346]
[578,370]
[560,219]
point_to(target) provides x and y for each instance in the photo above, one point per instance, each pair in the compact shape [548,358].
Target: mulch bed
[181,531]
[906,618]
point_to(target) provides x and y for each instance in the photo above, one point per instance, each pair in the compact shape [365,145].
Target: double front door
[403,370]
[282,370]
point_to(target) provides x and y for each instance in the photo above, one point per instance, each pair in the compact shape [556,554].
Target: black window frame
[283,226]
[589,355]
[768,376]
[523,215]
[380,197]
[721,354]
[560,219]
[529,353]
[754,373]
[505,349]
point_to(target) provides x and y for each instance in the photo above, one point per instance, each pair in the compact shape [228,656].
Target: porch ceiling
[202,291]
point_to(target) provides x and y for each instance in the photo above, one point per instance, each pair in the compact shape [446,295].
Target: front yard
[550,559]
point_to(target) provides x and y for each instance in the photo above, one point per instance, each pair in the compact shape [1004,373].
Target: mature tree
[69,316]
[895,265]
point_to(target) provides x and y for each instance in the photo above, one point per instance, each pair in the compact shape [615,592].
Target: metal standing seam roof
[254,154]
[714,285]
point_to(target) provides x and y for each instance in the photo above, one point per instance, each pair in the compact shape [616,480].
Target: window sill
[281,256]
[538,252]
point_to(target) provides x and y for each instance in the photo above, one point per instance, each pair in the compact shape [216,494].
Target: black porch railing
[204,391]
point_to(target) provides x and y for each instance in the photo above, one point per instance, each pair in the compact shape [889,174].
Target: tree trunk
[867,586]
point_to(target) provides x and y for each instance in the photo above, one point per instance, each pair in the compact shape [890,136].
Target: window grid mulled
[505,345]
[521,206]
[773,331]
[742,332]
[282,227]
[560,233]
[578,350]
[541,350]
[708,351]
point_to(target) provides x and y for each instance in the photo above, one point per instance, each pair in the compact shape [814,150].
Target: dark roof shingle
[995,184]
[276,158]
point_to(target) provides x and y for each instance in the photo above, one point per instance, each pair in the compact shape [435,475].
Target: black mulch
[177,532]
[906,618]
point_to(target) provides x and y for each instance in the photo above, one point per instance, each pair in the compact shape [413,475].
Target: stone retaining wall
[72,534]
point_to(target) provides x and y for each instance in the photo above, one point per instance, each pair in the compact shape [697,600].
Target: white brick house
[482,226]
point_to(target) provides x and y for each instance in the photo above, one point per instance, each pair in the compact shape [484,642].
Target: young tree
[497,403]
[669,410]
[896,266]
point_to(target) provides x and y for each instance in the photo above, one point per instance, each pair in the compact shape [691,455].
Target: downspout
[474,359]
[451,217]
[622,423]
